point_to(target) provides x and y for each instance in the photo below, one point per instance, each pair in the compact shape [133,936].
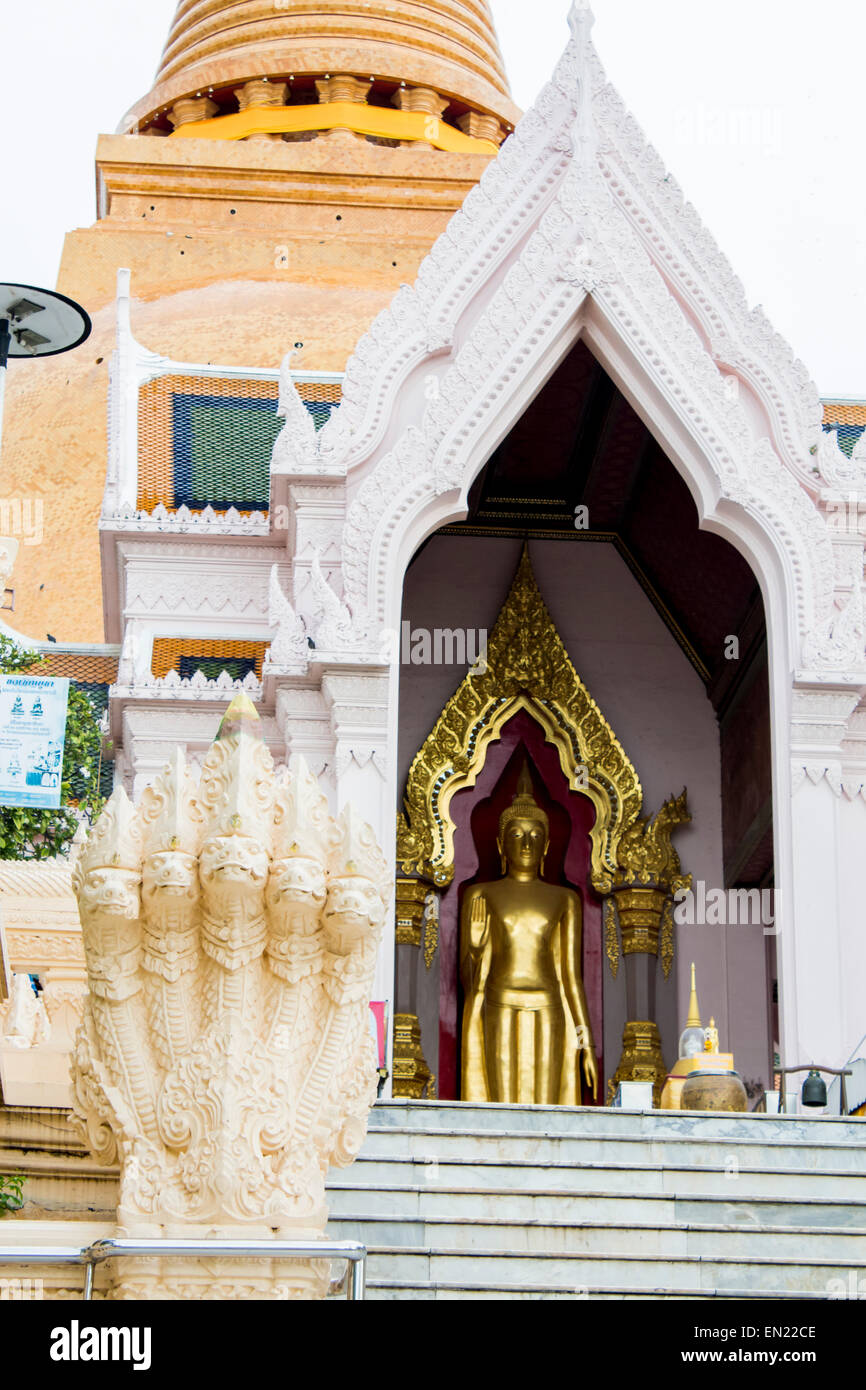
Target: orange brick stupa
[289,170]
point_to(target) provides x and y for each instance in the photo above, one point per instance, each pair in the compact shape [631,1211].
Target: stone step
[606,1122]
[41,1128]
[504,1202]
[628,1179]
[52,1190]
[595,1238]
[627,1150]
[465,1201]
[350,1199]
[388,1290]
[584,1272]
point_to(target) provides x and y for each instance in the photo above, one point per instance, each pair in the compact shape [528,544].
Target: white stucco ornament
[289,647]
[225,1058]
[296,451]
[25,1022]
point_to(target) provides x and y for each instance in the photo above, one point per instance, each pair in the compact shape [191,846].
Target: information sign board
[32,734]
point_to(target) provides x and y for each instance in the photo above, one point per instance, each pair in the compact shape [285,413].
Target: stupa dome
[216,45]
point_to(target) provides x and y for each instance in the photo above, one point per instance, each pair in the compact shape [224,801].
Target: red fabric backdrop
[475,812]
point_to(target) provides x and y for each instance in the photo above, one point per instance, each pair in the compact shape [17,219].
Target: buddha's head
[524,832]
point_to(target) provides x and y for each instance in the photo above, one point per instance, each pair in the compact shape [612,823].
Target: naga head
[169,881]
[303,836]
[107,883]
[234,871]
[297,890]
[357,887]
[172,825]
[107,875]
[354,912]
[237,799]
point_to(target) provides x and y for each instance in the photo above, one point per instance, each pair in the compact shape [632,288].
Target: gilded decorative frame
[526,668]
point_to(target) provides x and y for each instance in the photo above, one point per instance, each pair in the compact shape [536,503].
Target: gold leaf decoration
[645,853]
[611,936]
[666,943]
[527,668]
[431,930]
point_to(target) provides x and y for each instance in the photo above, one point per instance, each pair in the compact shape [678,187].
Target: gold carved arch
[526,668]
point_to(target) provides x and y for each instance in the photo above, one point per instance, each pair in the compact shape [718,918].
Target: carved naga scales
[225,1058]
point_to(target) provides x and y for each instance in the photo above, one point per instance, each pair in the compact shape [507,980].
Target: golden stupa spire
[422,56]
[694,1018]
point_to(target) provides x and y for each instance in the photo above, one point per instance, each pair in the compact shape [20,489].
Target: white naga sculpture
[225,1058]
[25,1021]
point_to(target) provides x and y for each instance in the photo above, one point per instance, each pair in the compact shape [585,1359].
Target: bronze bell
[814,1091]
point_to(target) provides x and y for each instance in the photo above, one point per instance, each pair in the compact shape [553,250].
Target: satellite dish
[39,323]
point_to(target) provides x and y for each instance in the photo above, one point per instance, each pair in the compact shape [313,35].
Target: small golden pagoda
[699,1051]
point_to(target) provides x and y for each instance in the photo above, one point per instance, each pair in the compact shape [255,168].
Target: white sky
[755,106]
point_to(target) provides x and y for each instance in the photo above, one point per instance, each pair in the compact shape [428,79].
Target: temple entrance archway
[665,623]
[577,235]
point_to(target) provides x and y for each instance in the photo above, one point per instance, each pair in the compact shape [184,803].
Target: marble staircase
[507,1202]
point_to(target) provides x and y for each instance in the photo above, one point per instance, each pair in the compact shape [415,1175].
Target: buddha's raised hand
[479,923]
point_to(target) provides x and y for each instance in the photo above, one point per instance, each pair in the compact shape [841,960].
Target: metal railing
[91,1255]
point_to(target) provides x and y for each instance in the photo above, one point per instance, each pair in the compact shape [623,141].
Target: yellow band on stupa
[380,121]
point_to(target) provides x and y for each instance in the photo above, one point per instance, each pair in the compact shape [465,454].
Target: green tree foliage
[26,833]
[11,1192]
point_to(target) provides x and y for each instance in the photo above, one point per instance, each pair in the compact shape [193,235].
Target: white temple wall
[852,926]
[818,962]
[829,918]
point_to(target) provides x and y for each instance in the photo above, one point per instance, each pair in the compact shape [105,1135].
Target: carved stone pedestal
[197,1280]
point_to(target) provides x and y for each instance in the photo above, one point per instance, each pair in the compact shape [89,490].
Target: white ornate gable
[577,230]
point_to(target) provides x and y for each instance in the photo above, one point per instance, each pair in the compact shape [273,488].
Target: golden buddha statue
[525,1020]
[711,1038]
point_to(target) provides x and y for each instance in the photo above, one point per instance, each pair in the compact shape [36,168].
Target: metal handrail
[91,1255]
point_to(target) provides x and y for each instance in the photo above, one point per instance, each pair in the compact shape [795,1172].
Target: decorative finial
[241,715]
[115,840]
[581,18]
[236,792]
[303,826]
[170,816]
[694,1018]
[289,646]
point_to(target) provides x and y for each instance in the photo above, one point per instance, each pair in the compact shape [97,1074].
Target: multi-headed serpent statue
[225,1058]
